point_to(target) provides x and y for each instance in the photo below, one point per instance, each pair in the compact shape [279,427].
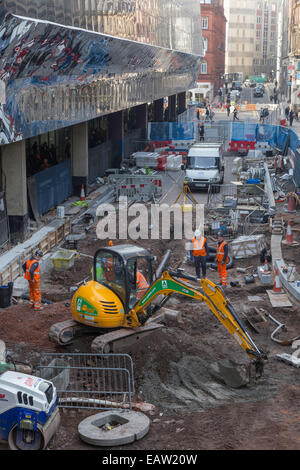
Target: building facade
[76,78]
[252,37]
[212,69]
[293,67]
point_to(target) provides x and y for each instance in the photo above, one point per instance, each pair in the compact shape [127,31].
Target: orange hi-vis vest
[199,247]
[220,253]
[109,269]
[36,272]
[141,281]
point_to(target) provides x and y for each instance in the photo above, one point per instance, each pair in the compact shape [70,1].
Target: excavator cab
[119,268]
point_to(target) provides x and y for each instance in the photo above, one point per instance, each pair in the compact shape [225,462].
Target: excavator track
[66,332]
[122,339]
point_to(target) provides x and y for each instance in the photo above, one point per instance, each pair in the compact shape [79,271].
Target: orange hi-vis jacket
[141,281]
[32,270]
[199,247]
[220,252]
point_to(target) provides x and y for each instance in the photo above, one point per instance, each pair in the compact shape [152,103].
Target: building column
[172,108]
[159,110]
[80,157]
[142,118]
[181,102]
[14,171]
[116,136]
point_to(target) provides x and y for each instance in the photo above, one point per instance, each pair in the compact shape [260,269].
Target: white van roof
[204,152]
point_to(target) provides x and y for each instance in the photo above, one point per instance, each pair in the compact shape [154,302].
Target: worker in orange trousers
[31,269]
[222,258]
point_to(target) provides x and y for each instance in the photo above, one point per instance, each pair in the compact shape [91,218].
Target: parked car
[258,92]
[252,83]
[262,86]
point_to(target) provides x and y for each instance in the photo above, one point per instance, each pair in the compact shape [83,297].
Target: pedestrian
[222,258]
[266,113]
[235,114]
[198,253]
[261,116]
[211,115]
[31,269]
[275,98]
[291,117]
[201,131]
[287,112]
[207,112]
[228,109]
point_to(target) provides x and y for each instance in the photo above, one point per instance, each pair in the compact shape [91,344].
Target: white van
[205,166]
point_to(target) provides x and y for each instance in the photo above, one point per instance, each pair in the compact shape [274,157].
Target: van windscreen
[202,163]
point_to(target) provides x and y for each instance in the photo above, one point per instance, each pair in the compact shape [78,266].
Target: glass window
[47,150]
[204,68]
[138,279]
[109,271]
[204,22]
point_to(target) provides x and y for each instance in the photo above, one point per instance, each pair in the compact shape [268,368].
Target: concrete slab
[289,359]
[279,300]
[114,428]
[255,298]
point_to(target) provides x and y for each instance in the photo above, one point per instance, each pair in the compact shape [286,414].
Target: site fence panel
[167,131]
[245,131]
[97,381]
[141,187]
[213,132]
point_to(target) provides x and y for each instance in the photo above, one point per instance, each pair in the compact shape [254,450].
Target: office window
[205,22]
[258,20]
[258,34]
[204,68]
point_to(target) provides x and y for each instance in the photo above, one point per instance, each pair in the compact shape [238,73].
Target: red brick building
[214,34]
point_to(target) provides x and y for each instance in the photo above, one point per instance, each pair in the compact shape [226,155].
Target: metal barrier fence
[222,196]
[214,132]
[137,187]
[97,381]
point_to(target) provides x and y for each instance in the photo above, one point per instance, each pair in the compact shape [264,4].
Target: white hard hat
[198,233]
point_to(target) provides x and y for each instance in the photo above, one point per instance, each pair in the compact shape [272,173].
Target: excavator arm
[177,283]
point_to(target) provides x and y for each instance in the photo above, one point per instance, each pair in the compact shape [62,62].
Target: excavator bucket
[233,374]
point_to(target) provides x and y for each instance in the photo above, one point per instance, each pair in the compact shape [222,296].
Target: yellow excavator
[112,305]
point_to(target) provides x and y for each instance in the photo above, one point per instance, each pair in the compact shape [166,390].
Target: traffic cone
[82,193]
[277,284]
[291,206]
[266,267]
[289,236]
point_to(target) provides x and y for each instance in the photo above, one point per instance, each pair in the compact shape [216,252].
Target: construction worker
[141,284]
[31,268]
[99,266]
[222,258]
[109,267]
[199,253]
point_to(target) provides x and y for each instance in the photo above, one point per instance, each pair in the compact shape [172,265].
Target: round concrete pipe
[113,428]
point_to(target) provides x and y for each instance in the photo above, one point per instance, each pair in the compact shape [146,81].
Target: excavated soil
[194,410]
